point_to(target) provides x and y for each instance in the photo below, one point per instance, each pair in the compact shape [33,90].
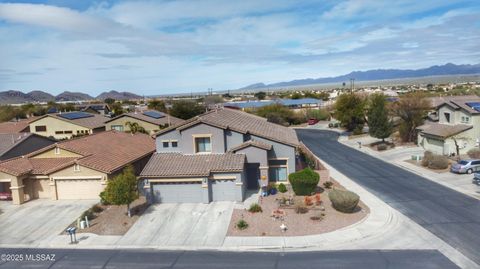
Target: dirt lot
[113,220]
[262,224]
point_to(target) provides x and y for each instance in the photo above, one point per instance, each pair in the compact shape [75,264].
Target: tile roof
[457,102]
[105,152]
[179,165]
[242,122]
[9,140]
[16,126]
[443,130]
[160,121]
[96,121]
[253,143]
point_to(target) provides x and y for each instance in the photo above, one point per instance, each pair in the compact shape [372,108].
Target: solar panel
[75,115]
[154,114]
[474,105]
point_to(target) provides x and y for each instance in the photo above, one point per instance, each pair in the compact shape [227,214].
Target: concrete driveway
[180,225]
[38,221]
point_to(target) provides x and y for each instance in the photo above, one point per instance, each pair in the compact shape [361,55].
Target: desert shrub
[242,224]
[301,209]
[97,209]
[317,217]
[304,182]
[103,198]
[438,162]
[88,213]
[282,188]
[381,147]
[474,153]
[327,184]
[427,157]
[318,199]
[344,201]
[255,208]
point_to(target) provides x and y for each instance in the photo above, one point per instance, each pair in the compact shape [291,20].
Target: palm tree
[135,127]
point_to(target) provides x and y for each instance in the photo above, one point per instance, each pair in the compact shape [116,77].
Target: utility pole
[352,85]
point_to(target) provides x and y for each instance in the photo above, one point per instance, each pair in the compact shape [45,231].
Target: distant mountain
[118,95]
[41,96]
[379,74]
[73,96]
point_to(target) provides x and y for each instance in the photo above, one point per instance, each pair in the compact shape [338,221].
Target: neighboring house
[18,144]
[151,120]
[217,156]
[68,124]
[294,104]
[102,109]
[17,126]
[456,119]
[75,169]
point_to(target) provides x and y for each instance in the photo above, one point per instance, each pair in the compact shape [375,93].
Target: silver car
[466,166]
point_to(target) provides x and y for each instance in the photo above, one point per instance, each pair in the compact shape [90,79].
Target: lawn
[263,224]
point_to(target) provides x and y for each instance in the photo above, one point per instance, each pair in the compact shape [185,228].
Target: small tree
[158,105]
[186,109]
[135,127]
[412,110]
[380,126]
[122,189]
[456,140]
[349,110]
[260,95]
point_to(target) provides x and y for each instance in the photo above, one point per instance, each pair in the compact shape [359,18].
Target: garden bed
[378,145]
[263,224]
[112,219]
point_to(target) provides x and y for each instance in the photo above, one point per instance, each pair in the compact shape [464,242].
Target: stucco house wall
[54,125]
[149,127]
[216,134]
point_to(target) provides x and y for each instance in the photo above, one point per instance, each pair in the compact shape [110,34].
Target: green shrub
[88,213]
[304,182]
[427,157]
[103,198]
[255,208]
[97,209]
[282,188]
[344,201]
[242,224]
[382,147]
[327,184]
[438,162]
[474,153]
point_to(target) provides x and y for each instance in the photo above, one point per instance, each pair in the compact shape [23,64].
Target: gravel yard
[263,224]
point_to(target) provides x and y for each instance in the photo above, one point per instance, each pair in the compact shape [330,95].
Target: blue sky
[160,47]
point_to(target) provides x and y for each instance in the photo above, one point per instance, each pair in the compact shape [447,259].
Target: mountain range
[18,97]
[378,74]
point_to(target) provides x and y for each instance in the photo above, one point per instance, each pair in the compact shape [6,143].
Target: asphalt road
[372,259]
[450,215]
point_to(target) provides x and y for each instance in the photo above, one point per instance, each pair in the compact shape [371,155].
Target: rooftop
[443,130]
[88,120]
[180,165]
[152,116]
[9,140]
[16,126]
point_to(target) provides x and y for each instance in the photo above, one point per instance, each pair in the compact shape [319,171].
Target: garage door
[177,192]
[223,190]
[79,189]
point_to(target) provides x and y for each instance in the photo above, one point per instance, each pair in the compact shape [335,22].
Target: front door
[253,176]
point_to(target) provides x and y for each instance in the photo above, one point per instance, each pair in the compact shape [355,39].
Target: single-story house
[68,124]
[217,156]
[75,169]
[151,120]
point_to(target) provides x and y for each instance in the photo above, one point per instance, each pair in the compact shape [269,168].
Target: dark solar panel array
[154,114]
[474,105]
[75,115]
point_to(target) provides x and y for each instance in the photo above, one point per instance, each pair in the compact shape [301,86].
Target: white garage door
[177,192]
[223,190]
[79,189]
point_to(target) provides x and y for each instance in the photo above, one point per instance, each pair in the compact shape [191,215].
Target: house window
[174,144]
[117,128]
[76,168]
[58,132]
[41,128]
[277,170]
[68,132]
[447,116]
[165,144]
[57,150]
[467,119]
[203,144]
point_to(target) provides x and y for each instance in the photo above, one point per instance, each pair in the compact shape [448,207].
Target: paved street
[371,259]
[450,215]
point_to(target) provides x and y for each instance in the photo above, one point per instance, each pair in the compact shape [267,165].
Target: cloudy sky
[159,47]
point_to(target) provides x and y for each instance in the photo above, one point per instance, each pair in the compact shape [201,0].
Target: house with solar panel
[456,119]
[66,125]
[151,120]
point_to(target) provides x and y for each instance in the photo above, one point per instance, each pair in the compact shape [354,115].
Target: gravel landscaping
[113,220]
[263,224]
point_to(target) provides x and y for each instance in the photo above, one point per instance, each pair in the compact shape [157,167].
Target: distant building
[150,120]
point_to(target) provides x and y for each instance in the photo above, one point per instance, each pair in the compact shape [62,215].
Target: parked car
[312,121]
[5,196]
[466,166]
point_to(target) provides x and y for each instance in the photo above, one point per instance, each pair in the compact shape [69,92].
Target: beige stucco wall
[446,147]
[62,154]
[37,188]
[54,125]
[149,127]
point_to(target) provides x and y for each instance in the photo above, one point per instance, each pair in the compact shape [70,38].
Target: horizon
[178,47]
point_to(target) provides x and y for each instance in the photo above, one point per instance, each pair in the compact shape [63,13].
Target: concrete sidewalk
[460,182]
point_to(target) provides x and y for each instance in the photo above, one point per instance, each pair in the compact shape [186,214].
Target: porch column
[53,189]
[17,188]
